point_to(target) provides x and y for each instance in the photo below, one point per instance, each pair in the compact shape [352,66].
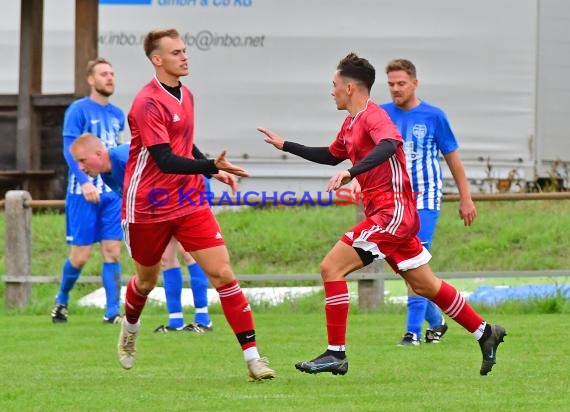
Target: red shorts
[401,253]
[147,241]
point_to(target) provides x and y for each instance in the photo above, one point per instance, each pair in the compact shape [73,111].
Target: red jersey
[386,190]
[149,195]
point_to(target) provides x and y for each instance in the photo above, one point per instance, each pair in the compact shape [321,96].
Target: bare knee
[145,286]
[221,275]
[79,255]
[111,250]
[329,272]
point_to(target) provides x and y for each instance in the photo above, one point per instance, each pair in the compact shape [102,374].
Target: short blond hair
[92,63]
[152,39]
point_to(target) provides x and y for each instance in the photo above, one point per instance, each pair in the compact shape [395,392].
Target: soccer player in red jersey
[162,199]
[370,140]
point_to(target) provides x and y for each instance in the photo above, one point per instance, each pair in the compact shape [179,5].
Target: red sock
[454,305]
[238,313]
[134,302]
[336,310]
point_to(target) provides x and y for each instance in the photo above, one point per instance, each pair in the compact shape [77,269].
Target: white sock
[479,331]
[250,353]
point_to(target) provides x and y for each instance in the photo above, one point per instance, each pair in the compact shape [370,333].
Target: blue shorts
[428,220]
[88,223]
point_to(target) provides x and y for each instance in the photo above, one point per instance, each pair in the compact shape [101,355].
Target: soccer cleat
[434,335]
[127,346]
[113,319]
[489,348]
[259,369]
[206,328]
[191,327]
[324,363]
[59,313]
[409,339]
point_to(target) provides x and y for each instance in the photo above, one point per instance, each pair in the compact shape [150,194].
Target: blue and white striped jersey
[426,132]
[87,116]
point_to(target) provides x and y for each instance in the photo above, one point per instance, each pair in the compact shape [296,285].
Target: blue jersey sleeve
[73,126]
[444,136]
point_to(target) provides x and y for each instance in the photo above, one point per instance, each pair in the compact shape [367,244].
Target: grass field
[73,367]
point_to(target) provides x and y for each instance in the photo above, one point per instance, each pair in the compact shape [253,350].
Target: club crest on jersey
[175,118]
[419,131]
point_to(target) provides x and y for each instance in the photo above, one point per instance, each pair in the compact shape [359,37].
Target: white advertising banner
[271,62]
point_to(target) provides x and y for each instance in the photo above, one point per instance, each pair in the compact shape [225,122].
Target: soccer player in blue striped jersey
[92,209]
[426,133]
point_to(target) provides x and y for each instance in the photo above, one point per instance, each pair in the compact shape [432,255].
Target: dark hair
[358,69]
[152,38]
[92,63]
[402,64]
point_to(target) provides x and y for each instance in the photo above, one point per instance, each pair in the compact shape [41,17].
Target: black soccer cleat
[434,335]
[324,363]
[59,313]
[489,348]
[409,339]
[190,327]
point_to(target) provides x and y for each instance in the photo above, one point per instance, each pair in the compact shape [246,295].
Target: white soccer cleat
[259,369]
[127,346]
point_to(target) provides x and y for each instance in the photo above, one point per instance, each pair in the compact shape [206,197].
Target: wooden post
[370,291]
[18,247]
[30,83]
[86,37]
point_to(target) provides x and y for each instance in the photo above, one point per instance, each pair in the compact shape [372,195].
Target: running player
[371,141]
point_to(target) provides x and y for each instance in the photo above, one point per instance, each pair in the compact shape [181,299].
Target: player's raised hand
[228,179]
[224,164]
[272,138]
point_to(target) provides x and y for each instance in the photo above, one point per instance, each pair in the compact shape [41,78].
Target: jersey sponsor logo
[175,118]
[94,121]
[419,131]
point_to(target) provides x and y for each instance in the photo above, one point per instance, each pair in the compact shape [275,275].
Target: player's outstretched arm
[224,164]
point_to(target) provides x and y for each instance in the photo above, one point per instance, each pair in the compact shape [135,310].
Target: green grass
[73,367]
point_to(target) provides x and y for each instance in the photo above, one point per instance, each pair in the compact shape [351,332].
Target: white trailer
[497,67]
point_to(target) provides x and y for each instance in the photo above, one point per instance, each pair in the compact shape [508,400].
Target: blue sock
[433,315]
[111,276]
[199,286]
[69,276]
[416,314]
[172,279]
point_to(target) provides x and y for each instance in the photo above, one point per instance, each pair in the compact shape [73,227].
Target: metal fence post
[18,214]
[370,291]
